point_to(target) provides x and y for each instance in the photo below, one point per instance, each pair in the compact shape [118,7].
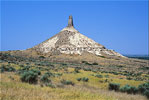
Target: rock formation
[71,41]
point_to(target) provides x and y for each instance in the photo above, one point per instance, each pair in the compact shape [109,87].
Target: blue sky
[118,25]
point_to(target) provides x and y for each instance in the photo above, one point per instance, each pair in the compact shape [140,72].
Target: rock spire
[71,41]
[70,22]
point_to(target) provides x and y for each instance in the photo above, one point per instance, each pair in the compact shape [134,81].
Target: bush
[26,68]
[76,70]
[133,89]
[146,93]
[107,76]
[64,64]
[114,86]
[45,78]
[67,82]
[29,77]
[79,79]
[102,56]
[85,79]
[22,65]
[36,71]
[129,89]
[49,74]
[58,74]
[85,62]
[41,57]
[7,68]
[51,85]
[94,63]
[86,69]
[95,70]
[11,69]
[99,76]
[144,89]
[129,78]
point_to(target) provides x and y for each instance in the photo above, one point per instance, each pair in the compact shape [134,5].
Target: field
[39,79]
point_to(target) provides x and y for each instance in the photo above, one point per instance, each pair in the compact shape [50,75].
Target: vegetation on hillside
[39,79]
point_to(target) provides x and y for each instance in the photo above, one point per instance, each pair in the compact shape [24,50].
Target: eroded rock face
[71,41]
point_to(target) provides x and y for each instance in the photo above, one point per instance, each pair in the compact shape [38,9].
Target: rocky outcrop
[71,41]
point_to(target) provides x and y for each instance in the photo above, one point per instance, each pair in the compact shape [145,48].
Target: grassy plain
[96,88]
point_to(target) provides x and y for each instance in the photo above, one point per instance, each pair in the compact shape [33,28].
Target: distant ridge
[145,57]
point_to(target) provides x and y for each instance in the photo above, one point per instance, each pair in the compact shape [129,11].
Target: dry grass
[95,89]
[95,81]
[16,90]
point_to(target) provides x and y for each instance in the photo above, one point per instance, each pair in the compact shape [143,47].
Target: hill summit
[71,41]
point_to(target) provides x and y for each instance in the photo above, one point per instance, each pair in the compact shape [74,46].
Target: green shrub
[50,85]
[67,82]
[86,69]
[79,79]
[49,74]
[88,63]
[45,78]
[41,57]
[99,76]
[106,76]
[84,62]
[115,73]
[29,77]
[85,79]
[64,64]
[143,87]
[95,70]
[22,65]
[11,69]
[76,70]
[23,69]
[102,56]
[119,66]
[129,78]
[26,68]
[114,86]
[94,63]
[146,93]
[58,74]
[133,90]
[129,89]
[7,68]
[36,71]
